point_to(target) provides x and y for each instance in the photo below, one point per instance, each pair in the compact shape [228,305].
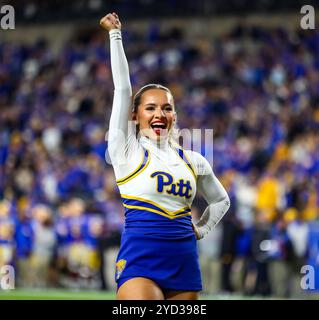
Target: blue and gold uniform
[158,182]
[159,241]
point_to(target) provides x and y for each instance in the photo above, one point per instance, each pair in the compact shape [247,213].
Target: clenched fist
[110,21]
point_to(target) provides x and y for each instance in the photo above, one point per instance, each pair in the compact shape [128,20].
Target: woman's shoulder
[200,163]
[194,155]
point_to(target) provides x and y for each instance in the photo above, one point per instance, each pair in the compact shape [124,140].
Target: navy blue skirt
[172,263]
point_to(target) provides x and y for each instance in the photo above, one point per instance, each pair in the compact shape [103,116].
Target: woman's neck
[160,144]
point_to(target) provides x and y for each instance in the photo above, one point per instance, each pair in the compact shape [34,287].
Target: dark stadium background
[243,68]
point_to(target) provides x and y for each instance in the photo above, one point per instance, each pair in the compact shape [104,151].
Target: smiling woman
[154,111]
[158,180]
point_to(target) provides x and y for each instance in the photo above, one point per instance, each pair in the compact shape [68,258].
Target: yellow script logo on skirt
[120,265]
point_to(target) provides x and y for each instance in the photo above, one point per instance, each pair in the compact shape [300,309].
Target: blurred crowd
[37,11]
[257,88]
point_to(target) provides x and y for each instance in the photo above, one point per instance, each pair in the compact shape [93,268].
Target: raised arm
[121,109]
[216,197]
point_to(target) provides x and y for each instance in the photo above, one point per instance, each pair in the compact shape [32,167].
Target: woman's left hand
[196,231]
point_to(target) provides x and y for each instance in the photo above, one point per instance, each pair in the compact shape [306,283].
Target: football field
[55,294]
[63,294]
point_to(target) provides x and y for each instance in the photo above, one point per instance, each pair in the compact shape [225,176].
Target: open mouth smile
[159,127]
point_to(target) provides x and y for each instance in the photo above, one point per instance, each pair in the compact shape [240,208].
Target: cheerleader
[158,180]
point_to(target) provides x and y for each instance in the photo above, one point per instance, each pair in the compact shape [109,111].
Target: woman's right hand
[110,21]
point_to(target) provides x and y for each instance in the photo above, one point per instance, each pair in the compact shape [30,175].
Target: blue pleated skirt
[172,263]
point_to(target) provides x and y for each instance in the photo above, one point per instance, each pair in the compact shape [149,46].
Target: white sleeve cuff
[115,34]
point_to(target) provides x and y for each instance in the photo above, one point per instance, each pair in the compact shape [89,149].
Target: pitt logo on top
[165,182]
